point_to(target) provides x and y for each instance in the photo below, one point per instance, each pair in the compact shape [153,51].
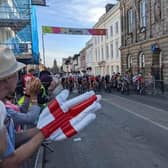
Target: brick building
[144,25]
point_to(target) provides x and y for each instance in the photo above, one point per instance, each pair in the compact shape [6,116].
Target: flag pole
[43,49]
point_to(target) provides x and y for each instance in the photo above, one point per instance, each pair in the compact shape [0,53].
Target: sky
[67,13]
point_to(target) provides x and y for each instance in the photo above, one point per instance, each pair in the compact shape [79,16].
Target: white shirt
[2,114]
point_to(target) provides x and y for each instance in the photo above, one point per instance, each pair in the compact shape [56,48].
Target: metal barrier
[155,87]
[30,163]
[39,162]
[35,161]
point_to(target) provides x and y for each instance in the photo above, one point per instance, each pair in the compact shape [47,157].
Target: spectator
[29,114]
[43,96]
[47,89]
[28,76]
[11,158]
[52,88]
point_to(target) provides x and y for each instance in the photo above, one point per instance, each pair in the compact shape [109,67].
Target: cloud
[68,13]
[85,12]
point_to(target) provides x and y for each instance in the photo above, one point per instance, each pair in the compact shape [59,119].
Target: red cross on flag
[63,119]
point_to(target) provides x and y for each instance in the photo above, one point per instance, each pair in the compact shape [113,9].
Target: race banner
[73,31]
[39,2]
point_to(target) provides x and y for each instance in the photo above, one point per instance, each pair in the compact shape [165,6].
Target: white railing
[14,13]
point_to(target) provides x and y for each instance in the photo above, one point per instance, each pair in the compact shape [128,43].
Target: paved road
[129,132]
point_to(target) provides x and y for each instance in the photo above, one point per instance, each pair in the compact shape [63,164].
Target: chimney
[109,6]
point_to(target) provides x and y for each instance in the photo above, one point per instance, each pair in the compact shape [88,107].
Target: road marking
[137,115]
[140,103]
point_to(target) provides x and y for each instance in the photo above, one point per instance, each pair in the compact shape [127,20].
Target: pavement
[130,132]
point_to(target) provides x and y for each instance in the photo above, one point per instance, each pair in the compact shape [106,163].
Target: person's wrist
[33,96]
[41,135]
[27,95]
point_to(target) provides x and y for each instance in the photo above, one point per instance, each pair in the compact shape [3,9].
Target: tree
[55,68]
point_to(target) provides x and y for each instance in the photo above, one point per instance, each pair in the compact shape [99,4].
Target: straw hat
[8,63]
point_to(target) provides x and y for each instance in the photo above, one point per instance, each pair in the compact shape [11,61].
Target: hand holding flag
[63,119]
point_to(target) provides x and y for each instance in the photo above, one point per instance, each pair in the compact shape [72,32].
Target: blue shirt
[10,137]
[25,118]
[18,118]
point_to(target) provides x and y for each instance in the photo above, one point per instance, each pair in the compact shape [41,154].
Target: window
[117,49]
[141,60]
[112,69]
[116,27]
[107,33]
[101,38]
[102,53]
[157,10]
[130,21]
[96,70]
[107,69]
[111,31]
[129,61]
[107,52]
[117,69]
[142,13]
[111,46]
[161,59]
[96,53]
[95,40]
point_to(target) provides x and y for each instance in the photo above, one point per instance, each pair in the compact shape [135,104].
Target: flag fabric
[73,31]
[63,119]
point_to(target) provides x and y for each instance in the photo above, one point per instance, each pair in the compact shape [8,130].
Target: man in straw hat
[61,119]
[9,157]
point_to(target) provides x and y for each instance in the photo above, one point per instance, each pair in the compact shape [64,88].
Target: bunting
[73,31]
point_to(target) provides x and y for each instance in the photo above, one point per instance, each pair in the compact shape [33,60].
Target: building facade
[67,65]
[106,48]
[89,56]
[82,60]
[75,63]
[144,25]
